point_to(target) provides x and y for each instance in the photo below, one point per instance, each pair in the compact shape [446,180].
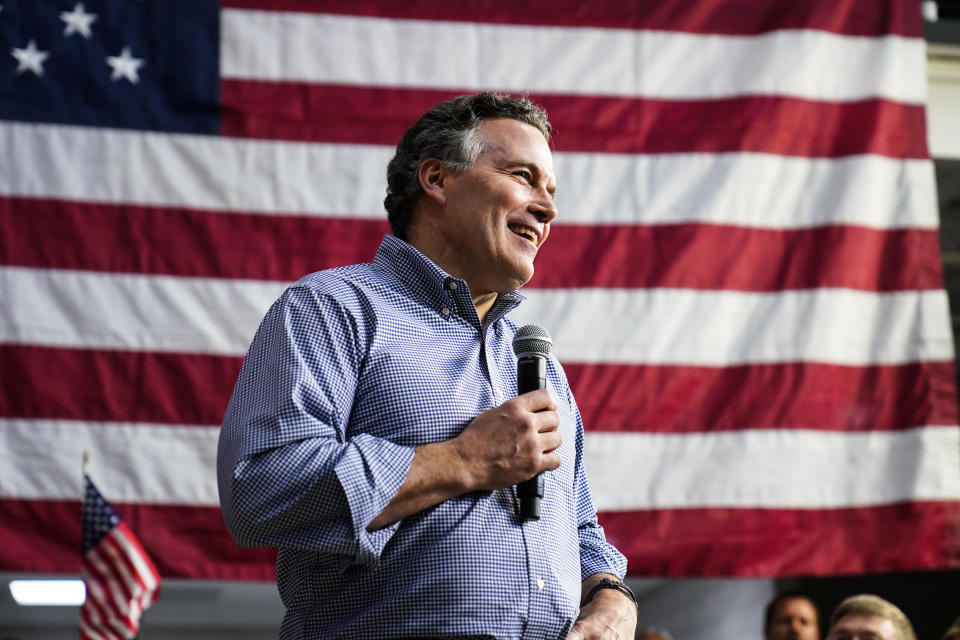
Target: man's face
[497,213]
[863,628]
[794,619]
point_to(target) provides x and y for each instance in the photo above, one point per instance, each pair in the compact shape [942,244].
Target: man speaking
[375,436]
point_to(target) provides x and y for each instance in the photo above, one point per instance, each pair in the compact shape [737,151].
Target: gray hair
[448,132]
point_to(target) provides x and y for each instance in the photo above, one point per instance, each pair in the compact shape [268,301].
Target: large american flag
[743,284]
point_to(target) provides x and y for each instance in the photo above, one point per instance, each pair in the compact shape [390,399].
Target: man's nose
[543,207]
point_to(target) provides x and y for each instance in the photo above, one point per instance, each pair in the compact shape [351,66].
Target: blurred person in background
[869,617]
[953,633]
[653,633]
[791,616]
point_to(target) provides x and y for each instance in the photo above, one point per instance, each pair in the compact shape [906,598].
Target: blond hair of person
[871,605]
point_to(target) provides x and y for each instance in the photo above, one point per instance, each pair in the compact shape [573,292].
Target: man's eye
[526,175]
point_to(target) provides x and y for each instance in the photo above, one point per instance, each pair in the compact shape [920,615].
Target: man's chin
[518,281]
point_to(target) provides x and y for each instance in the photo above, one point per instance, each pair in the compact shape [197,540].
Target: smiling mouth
[524,232]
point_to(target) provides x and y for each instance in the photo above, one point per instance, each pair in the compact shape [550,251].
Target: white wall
[943,102]
[705,609]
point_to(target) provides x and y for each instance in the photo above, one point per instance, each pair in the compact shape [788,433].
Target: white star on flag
[30,59]
[125,66]
[78,21]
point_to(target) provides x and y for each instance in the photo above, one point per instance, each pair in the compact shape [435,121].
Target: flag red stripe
[116,596]
[737,17]
[101,385]
[89,627]
[132,541]
[121,566]
[191,542]
[104,385]
[175,241]
[124,238]
[705,256]
[92,609]
[803,395]
[121,596]
[772,542]
[767,124]
[666,542]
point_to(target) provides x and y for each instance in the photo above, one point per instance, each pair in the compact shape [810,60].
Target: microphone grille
[532,339]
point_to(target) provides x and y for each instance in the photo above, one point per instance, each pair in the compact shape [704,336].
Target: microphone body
[532,345]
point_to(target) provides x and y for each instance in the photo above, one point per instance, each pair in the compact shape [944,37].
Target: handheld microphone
[532,345]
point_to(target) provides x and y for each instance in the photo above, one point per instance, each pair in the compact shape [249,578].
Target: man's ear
[432,175]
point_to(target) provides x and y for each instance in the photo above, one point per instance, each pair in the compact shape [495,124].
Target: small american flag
[121,579]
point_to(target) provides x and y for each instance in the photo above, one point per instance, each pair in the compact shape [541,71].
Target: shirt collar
[432,285]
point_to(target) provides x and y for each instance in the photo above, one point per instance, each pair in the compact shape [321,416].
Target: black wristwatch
[609,583]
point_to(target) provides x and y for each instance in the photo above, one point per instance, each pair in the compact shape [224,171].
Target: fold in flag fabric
[121,580]
[743,283]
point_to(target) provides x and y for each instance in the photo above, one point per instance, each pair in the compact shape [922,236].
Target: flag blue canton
[98,516]
[139,65]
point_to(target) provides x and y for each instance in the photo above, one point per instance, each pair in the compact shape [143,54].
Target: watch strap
[610,583]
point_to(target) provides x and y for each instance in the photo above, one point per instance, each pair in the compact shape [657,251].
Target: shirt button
[445,311]
[540,584]
[499,394]
[451,285]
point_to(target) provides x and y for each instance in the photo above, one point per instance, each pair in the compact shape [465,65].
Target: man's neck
[434,247]
[483,303]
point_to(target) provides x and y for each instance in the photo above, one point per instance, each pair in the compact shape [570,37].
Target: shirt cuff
[371,470]
[599,556]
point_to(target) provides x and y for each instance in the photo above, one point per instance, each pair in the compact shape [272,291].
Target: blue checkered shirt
[349,371]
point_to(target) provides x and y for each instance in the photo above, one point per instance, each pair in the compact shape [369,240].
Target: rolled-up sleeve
[596,554]
[289,472]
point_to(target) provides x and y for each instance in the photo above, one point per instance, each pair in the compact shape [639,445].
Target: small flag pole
[86,462]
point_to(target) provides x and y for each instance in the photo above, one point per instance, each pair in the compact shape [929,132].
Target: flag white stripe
[108,592]
[103,628]
[93,634]
[336,49]
[123,610]
[38,455]
[206,172]
[132,554]
[763,468]
[108,602]
[121,562]
[147,598]
[772,468]
[745,189]
[652,326]
[94,597]
[723,328]
[123,311]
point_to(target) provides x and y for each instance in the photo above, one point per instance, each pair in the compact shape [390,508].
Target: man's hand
[510,443]
[610,615]
[500,447]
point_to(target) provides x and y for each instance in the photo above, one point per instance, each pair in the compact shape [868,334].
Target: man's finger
[550,441]
[551,461]
[575,633]
[538,400]
[546,421]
